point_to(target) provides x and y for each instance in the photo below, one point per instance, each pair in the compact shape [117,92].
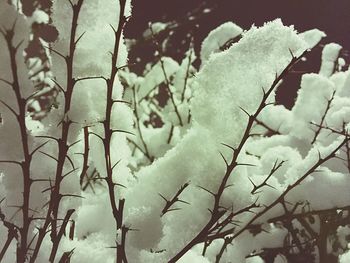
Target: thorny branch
[8,35]
[85,155]
[63,147]
[317,132]
[172,201]
[218,212]
[275,167]
[117,207]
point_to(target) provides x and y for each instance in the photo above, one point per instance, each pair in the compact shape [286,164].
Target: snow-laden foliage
[174,165]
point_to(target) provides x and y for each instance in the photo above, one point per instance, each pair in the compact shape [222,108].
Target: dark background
[330,16]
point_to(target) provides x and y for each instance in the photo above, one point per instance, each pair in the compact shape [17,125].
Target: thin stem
[25,164]
[117,208]
[138,127]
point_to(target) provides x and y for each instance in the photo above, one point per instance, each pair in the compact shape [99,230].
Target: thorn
[14,24]
[122,131]
[7,82]
[79,38]
[48,155]
[113,28]
[116,164]
[68,173]
[206,190]
[122,101]
[19,44]
[70,161]
[252,182]
[98,136]
[58,85]
[245,111]
[74,143]
[182,201]
[37,148]
[246,164]
[12,162]
[229,146]
[126,66]
[72,5]
[9,108]
[319,155]
[228,186]
[121,185]
[172,209]
[71,195]
[47,137]
[56,52]
[166,200]
[268,185]
[223,157]
[290,51]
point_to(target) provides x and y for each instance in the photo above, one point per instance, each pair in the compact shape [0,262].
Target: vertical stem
[85,155]
[138,127]
[25,164]
[65,124]
[117,210]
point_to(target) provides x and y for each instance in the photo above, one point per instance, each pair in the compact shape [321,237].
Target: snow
[88,108]
[39,17]
[278,154]
[330,55]
[201,141]
[155,28]
[227,80]
[193,257]
[165,175]
[280,259]
[344,90]
[95,20]
[312,37]
[278,118]
[156,75]
[185,71]
[217,38]
[307,101]
[227,76]
[256,259]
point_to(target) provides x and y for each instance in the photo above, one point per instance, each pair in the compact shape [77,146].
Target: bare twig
[317,132]
[85,155]
[138,127]
[166,77]
[172,201]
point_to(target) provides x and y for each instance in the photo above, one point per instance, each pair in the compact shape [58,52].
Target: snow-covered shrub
[178,165]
